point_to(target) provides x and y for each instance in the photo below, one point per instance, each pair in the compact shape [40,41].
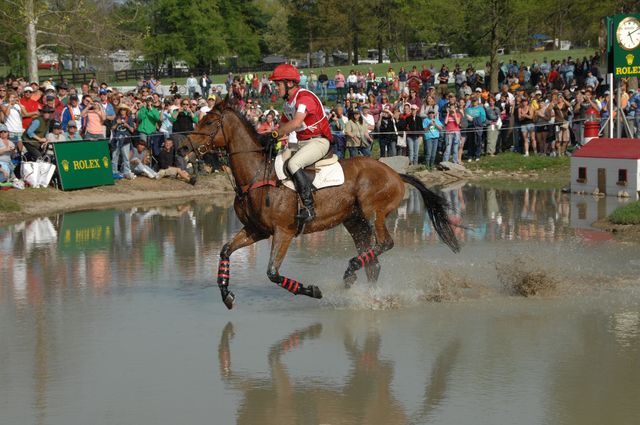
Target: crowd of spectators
[427,114]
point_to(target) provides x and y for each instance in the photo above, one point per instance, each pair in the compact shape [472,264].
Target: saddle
[324,173]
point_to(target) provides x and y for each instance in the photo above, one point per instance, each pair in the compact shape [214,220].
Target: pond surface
[110,317]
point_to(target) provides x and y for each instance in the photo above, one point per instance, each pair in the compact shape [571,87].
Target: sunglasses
[185,104]
[4,131]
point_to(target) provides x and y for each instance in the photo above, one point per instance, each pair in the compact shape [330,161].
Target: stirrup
[305,214]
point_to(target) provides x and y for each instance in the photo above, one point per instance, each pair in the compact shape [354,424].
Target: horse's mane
[229,105]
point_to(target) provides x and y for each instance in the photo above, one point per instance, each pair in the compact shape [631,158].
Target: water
[110,317]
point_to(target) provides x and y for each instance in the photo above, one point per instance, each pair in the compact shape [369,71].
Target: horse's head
[208,134]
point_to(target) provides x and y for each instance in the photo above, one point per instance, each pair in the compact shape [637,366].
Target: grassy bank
[7,205]
[629,214]
[511,162]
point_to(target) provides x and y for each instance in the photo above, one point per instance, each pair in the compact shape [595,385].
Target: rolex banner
[83,164]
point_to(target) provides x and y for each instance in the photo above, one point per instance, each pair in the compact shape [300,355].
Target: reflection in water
[366,397]
[119,298]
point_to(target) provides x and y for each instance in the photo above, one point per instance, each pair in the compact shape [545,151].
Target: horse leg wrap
[356,263]
[297,288]
[223,273]
[291,285]
[223,283]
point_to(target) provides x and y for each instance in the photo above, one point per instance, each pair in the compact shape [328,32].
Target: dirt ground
[39,202]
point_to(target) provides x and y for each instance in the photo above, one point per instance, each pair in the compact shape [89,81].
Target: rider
[303,114]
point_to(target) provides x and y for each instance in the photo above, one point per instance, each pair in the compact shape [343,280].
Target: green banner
[83,164]
[624,45]
[86,231]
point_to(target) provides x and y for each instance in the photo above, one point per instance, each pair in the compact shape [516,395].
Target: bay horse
[370,192]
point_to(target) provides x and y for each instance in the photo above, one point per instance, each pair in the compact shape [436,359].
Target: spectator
[7,151]
[358,139]
[35,138]
[432,126]
[443,80]
[192,83]
[13,112]
[173,88]
[140,161]
[31,106]
[558,109]
[525,118]
[72,131]
[323,81]
[171,166]
[402,79]
[148,119]
[313,81]
[388,128]
[166,118]
[494,123]
[413,126]
[453,118]
[268,124]
[337,123]
[184,119]
[55,135]
[94,117]
[123,128]
[476,117]
[205,85]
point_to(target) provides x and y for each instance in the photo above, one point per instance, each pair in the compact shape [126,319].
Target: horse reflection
[366,398]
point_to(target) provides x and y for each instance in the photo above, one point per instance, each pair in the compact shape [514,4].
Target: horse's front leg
[244,237]
[279,246]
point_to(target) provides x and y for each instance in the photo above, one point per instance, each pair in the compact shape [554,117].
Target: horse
[371,190]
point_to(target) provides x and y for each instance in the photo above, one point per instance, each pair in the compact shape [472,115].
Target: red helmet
[285,72]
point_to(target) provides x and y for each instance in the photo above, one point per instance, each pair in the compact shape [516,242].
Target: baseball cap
[414,106]
[478,89]
[365,106]
[72,123]
[213,97]
[431,112]
[50,97]
[56,124]
[3,127]
[28,88]
[49,87]
[73,97]
[102,91]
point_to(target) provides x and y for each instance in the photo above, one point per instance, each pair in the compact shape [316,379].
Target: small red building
[609,165]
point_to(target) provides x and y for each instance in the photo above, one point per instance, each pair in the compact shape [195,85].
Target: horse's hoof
[349,280]
[229,299]
[315,292]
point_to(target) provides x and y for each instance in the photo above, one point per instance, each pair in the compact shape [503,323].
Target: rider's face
[282,88]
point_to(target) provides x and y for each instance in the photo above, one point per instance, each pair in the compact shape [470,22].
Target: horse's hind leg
[279,246]
[244,237]
[361,231]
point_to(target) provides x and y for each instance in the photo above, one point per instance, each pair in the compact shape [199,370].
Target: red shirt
[315,122]
[30,105]
[425,75]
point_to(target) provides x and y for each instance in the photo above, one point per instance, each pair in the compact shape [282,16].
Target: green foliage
[629,214]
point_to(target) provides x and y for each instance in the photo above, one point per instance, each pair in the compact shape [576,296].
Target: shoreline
[31,203]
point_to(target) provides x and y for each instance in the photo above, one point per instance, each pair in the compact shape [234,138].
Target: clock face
[628,33]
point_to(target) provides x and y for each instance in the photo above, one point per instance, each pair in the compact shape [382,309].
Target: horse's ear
[230,102]
[221,102]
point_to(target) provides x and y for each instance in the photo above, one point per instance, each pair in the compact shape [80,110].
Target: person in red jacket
[303,115]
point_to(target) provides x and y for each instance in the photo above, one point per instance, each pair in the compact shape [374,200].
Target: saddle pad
[326,176]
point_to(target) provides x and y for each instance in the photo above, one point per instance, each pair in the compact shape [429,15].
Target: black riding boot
[303,186]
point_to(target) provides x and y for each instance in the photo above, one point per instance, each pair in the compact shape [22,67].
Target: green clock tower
[624,45]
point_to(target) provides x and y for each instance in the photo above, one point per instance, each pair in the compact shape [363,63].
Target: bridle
[209,147]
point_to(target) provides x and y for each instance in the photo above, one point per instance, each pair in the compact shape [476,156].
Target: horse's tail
[437,208]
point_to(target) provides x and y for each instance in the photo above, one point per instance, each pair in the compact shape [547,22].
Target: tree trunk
[32,57]
[493,58]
